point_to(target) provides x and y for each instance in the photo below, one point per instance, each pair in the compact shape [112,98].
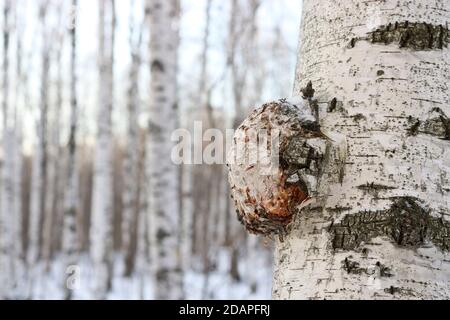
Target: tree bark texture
[380,224]
[163,173]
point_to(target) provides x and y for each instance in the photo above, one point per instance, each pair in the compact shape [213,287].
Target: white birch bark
[131,162]
[186,215]
[379,227]
[163,173]
[70,239]
[7,214]
[18,155]
[54,150]
[102,201]
[142,261]
[39,166]
[206,171]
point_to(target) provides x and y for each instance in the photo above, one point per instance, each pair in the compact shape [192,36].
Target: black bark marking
[154,128]
[352,43]
[308,91]
[338,209]
[374,187]
[314,105]
[412,35]
[332,105]
[358,117]
[341,174]
[352,267]
[157,66]
[414,129]
[163,274]
[161,234]
[383,270]
[437,124]
[403,291]
[405,223]
[392,290]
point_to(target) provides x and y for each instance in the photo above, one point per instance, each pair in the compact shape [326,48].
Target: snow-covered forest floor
[220,285]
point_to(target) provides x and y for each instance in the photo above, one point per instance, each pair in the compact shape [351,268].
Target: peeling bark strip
[406,223]
[267,195]
[413,35]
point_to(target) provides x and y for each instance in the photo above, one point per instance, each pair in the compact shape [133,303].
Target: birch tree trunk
[131,162]
[379,228]
[37,205]
[102,211]
[163,173]
[18,154]
[54,151]
[186,209]
[71,197]
[142,260]
[7,213]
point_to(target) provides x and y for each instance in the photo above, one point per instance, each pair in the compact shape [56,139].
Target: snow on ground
[219,284]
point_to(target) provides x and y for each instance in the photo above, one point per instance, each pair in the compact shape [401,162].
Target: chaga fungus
[268,195]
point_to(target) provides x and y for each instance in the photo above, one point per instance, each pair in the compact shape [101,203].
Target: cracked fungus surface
[268,177]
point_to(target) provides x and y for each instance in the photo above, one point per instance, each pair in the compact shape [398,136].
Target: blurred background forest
[80,89]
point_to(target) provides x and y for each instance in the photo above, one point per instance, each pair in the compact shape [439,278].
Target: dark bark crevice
[412,35]
[406,223]
[378,269]
[437,124]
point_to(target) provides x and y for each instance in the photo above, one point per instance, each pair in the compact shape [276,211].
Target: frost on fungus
[274,163]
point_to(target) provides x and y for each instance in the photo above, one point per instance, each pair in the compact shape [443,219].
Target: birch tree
[18,132]
[54,150]
[39,167]
[377,223]
[7,214]
[71,196]
[102,211]
[163,173]
[242,32]
[131,162]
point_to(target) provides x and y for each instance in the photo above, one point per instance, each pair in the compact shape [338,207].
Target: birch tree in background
[102,211]
[238,74]
[7,212]
[163,173]
[131,162]
[53,149]
[18,154]
[70,243]
[379,228]
[39,166]
[205,172]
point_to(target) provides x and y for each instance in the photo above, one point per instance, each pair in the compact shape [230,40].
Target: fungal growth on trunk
[274,163]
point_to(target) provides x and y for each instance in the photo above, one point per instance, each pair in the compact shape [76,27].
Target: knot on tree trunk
[274,163]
